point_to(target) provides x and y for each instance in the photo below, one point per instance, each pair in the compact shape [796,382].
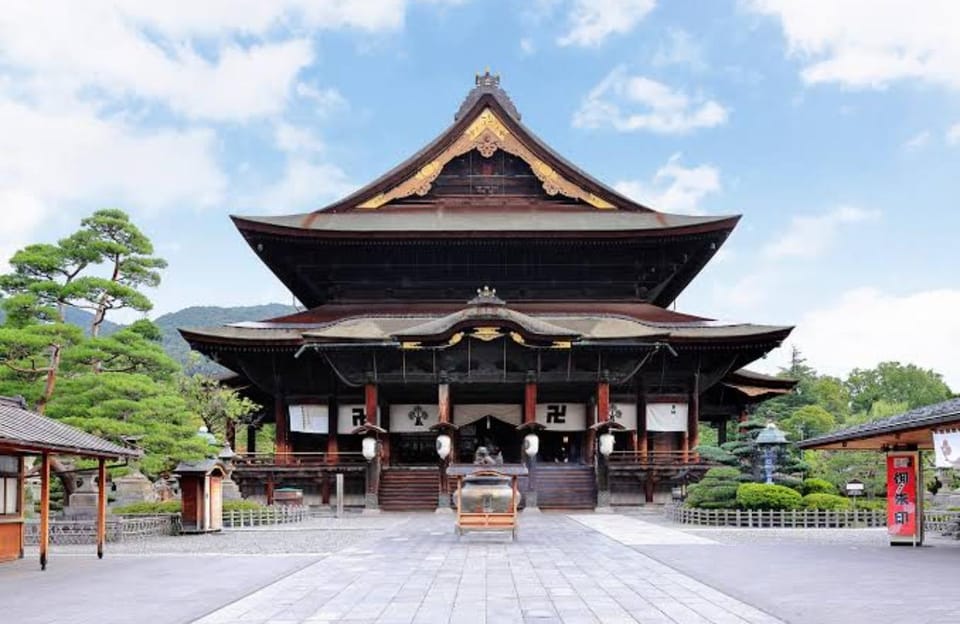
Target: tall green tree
[894,382]
[118,386]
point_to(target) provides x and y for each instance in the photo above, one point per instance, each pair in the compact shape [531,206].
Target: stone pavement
[558,571]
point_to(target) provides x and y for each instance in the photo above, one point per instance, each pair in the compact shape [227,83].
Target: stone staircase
[566,486]
[409,489]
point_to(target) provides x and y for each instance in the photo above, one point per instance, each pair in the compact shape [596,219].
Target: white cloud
[325,101]
[527,47]
[296,140]
[679,49]
[629,103]
[809,236]
[22,215]
[917,141]
[870,43]
[953,134]
[112,51]
[304,186]
[674,188]
[590,22]
[866,326]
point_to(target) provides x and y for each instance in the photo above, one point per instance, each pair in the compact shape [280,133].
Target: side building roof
[26,431]
[910,428]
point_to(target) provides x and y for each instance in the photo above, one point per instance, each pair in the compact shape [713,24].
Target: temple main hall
[487,289]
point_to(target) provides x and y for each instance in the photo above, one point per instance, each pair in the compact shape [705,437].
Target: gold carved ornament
[486,134]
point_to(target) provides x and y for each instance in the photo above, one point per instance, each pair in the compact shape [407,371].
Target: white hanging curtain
[946,445]
[624,414]
[666,416]
[411,418]
[466,414]
[309,418]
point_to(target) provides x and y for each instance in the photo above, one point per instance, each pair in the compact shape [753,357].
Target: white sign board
[562,416]
[466,414]
[666,416]
[946,446]
[413,418]
[624,414]
[349,417]
[309,418]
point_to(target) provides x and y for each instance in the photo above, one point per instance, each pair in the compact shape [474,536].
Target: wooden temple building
[486,288]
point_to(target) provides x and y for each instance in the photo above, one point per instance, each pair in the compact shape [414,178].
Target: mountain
[205,316]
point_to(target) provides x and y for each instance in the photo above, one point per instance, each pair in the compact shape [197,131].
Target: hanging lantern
[369,448]
[531,444]
[443,445]
[606,444]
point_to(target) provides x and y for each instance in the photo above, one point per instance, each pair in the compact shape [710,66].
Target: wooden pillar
[530,400]
[101,505]
[22,503]
[44,508]
[251,439]
[282,433]
[325,488]
[231,436]
[443,400]
[603,401]
[269,488]
[370,402]
[693,417]
[642,425]
[333,448]
[722,431]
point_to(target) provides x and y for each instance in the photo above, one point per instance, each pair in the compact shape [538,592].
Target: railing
[318,458]
[275,514]
[778,518]
[123,528]
[942,521]
[655,458]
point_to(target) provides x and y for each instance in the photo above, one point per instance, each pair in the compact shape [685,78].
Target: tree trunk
[66,477]
[52,370]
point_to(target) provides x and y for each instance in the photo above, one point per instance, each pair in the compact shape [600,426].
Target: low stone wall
[118,529]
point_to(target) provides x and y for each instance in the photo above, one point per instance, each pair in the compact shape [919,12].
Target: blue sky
[833,127]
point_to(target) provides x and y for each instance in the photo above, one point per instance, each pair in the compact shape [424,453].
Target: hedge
[717,489]
[764,496]
[174,506]
[819,500]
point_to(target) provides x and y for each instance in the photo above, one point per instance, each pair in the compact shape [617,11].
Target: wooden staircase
[566,486]
[409,489]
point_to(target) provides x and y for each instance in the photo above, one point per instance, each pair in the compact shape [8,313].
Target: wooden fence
[777,518]
[275,514]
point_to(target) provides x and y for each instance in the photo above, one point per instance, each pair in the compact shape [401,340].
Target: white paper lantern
[369,448]
[531,444]
[606,444]
[443,445]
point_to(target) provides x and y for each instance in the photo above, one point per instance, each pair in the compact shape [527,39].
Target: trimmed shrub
[818,486]
[717,489]
[873,504]
[794,483]
[819,500]
[174,506]
[764,496]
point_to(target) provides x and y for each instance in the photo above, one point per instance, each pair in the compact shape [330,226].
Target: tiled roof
[938,414]
[24,430]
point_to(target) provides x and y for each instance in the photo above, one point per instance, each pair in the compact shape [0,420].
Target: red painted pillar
[603,401]
[333,448]
[370,402]
[693,418]
[282,434]
[530,401]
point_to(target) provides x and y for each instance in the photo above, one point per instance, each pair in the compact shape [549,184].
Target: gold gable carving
[486,134]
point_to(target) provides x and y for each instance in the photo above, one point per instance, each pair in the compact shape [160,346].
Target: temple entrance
[414,449]
[492,433]
[560,447]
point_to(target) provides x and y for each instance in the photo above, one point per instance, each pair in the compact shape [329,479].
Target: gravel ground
[314,536]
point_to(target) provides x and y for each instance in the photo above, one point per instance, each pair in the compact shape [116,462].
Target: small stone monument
[231,491]
[134,487]
[82,504]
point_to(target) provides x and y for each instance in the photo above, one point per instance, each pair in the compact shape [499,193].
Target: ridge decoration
[486,134]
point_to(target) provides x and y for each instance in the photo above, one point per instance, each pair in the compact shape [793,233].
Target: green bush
[820,500]
[818,486]
[174,506]
[873,504]
[793,483]
[764,496]
[717,489]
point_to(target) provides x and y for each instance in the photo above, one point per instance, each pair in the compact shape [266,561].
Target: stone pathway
[560,570]
[633,532]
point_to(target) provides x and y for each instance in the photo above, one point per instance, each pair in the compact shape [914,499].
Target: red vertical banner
[903,522]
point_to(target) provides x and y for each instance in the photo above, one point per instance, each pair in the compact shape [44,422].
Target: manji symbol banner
[902,497]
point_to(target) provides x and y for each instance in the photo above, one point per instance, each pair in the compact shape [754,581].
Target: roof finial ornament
[486,79]
[487,296]
[487,84]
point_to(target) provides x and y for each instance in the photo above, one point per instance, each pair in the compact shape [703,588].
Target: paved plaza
[564,568]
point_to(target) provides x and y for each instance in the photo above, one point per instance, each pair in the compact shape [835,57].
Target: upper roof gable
[486,122]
